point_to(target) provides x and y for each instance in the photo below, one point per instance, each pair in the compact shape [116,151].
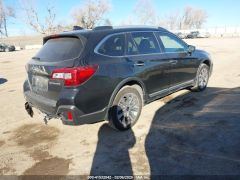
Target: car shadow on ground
[193,134]
[197,133]
[3,80]
[112,152]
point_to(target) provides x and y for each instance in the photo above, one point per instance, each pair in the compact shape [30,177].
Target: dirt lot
[22,41]
[184,133]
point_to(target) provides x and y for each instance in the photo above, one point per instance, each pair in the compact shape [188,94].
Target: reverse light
[74,76]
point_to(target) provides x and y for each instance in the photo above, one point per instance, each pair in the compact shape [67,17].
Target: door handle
[139,63]
[173,61]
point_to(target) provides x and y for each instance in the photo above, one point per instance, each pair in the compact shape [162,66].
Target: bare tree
[188,17]
[145,12]
[200,17]
[91,13]
[193,18]
[172,20]
[46,25]
[5,14]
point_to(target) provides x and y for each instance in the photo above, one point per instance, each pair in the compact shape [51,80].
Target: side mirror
[191,48]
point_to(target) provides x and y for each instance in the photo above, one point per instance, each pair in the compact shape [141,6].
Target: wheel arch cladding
[127,82]
[207,62]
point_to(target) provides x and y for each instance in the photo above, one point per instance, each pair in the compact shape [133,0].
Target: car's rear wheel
[126,108]
[202,78]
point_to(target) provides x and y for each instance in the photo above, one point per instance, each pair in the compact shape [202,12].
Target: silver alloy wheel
[203,78]
[128,109]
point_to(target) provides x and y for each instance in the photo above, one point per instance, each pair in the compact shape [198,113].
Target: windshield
[60,49]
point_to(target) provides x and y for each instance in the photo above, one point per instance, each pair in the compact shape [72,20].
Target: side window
[146,42]
[171,43]
[113,46]
[131,47]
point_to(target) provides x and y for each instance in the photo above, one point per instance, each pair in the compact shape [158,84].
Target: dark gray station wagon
[107,73]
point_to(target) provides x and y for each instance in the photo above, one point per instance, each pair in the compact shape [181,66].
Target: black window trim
[158,44]
[162,51]
[129,36]
[96,50]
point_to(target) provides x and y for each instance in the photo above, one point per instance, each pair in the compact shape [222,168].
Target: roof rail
[102,28]
[163,29]
[75,28]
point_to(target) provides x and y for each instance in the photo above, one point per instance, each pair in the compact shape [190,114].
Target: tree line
[5,14]
[94,12]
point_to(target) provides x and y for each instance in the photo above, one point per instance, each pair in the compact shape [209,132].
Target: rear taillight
[74,76]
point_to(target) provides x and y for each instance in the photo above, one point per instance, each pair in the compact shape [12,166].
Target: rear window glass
[60,49]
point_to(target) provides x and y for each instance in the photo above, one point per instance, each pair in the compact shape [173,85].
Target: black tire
[200,81]
[124,114]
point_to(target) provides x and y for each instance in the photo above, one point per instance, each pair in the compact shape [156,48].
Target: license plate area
[39,84]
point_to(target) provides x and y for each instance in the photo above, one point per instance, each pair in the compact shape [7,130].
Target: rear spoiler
[55,36]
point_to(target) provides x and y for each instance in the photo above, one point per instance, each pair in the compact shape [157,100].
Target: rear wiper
[36,58]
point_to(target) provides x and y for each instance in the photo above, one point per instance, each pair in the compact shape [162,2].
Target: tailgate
[56,53]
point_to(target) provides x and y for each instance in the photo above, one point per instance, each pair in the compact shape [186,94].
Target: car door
[183,65]
[149,63]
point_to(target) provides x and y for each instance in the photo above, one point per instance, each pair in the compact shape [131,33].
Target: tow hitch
[47,118]
[29,109]
[30,112]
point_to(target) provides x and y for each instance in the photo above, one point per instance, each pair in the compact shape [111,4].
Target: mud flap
[29,109]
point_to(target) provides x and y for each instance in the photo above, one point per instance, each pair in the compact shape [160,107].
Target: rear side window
[171,43]
[146,42]
[113,46]
[60,49]
[131,47]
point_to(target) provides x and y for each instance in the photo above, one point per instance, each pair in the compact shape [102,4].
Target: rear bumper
[50,108]
[45,105]
[78,118]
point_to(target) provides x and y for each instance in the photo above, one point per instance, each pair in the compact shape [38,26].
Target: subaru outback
[110,73]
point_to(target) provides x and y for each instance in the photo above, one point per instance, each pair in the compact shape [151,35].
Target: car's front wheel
[202,78]
[126,108]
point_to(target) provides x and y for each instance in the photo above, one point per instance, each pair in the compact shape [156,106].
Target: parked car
[197,34]
[181,35]
[203,35]
[6,48]
[109,73]
[193,35]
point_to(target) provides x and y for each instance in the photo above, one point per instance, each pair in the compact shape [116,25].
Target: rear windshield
[60,49]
